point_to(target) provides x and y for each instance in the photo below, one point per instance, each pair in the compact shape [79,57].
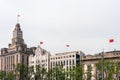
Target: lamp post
[102,65]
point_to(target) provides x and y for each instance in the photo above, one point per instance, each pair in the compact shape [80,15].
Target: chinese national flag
[111,40]
[41,42]
[67,45]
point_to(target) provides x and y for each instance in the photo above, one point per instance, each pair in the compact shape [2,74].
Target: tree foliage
[10,76]
[23,72]
[111,69]
[2,75]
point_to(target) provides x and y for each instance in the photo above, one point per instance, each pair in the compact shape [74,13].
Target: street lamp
[102,65]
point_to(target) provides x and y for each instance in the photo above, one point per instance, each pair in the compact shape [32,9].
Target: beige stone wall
[68,60]
[8,62]
[40,57]
[92,60]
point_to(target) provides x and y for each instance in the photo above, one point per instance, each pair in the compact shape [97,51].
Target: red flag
[67,45]
[41,42]
[111,40]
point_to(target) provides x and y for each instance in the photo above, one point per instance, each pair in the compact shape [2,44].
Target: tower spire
[17,35]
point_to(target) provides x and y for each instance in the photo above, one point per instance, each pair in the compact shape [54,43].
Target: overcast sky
[85,25]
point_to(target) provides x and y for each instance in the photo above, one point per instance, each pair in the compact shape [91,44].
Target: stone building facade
[40,57]
[67,59]
[92,60]
[46,60]
[17,51]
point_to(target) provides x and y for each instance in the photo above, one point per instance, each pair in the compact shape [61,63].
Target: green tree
[117,70]
[58,73]
[109,69]
[30,72]
[21,71]
[77,73]
[40,73]
[49,74]
[89,74]
[2,75]
[10,76]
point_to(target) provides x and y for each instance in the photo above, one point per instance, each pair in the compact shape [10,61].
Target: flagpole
[110,43]
[102,65]
[67,46]
[18,18]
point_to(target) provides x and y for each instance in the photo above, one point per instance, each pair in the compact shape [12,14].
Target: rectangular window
[67,68]
[22,58]
[73,61]
[70,62]
[56,63]
[17,58]
[66,62]
[51,65]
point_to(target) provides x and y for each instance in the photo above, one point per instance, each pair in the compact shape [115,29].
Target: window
[70,67]
[22,58]
[73,61]
[77,56]
[32,62]
[10,62]
[70,62]
[17,58]
[53,63]
[61,63]
[43,65]
[67,68]
[43,60]
[56,63]
[73,55]
[66,62]
[13,59]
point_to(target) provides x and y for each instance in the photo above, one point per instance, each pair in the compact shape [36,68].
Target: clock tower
[17,43]
[17,51]
[17,35]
